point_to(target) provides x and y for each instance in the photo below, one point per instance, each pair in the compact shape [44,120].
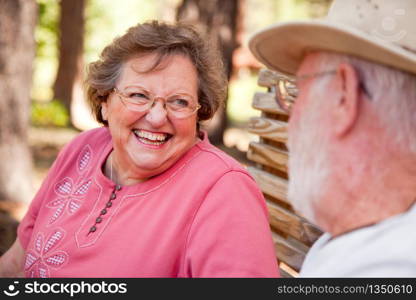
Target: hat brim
[282,47]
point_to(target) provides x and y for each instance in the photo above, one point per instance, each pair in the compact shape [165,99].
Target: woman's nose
[157,114]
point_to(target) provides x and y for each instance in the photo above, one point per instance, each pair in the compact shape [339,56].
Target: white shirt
[385,249]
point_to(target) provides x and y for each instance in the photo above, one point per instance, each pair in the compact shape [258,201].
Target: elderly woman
[147,195]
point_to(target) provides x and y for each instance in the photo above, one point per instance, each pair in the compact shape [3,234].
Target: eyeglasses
[286,90]
[138,99]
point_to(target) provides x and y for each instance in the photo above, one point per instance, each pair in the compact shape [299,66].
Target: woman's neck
[112,172]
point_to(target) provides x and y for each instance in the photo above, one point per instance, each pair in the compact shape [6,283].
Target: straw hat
[383,31]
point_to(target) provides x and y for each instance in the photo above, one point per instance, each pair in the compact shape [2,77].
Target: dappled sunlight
[239,138]
[81,114]
[241,91]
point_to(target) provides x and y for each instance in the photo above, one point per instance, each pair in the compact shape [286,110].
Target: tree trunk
[219,19]
[17,49]
[71,46]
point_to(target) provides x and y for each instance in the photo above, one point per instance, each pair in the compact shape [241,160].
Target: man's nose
[157,114]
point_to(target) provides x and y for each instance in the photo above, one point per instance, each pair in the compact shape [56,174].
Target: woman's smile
[155,140]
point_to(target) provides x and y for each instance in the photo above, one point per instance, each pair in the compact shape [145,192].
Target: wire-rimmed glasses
[136,98]
[286,90]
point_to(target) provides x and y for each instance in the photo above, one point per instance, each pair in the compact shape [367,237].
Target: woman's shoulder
[93,135]
[92,139]
[212,157]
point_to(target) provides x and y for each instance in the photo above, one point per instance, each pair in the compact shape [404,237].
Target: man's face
[308,145]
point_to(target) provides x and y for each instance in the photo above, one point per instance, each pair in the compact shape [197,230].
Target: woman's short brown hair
[164,40]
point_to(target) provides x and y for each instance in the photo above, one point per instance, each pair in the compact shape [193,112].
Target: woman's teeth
[151,138]
[144,141]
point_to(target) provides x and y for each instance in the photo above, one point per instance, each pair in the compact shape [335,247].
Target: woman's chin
[150,163]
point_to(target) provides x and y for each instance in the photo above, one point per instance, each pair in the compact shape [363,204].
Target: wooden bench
[292,234]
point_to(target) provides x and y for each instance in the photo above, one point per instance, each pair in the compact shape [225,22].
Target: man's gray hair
[392,91]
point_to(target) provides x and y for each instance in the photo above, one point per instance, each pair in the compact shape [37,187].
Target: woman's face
[147,143]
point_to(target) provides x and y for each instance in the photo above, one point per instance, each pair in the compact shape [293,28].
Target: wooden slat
[266,102]
[268,155]
[269,129]
[291,224]
[270,184]
[267,78]
[284,273]
[288,253]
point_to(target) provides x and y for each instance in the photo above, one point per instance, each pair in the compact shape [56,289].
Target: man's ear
[104,111]
[345,108]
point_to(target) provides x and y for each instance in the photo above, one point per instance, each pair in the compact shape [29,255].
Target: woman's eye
[138,95]
[181,102]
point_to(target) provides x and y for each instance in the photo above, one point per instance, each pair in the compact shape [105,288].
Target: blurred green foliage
[107,19]
[46,34]
[52,113]
[46,60]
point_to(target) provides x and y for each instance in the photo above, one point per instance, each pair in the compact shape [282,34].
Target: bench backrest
[292,234]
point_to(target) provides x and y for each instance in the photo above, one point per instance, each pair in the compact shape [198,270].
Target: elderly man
[352,133]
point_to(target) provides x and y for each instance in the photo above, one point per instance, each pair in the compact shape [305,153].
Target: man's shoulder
[383,249]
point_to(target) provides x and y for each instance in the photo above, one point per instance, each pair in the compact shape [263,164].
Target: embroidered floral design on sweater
[84,159]
[71,195]
[42,256]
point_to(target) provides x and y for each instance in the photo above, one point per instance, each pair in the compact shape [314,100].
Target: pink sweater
[203,217]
